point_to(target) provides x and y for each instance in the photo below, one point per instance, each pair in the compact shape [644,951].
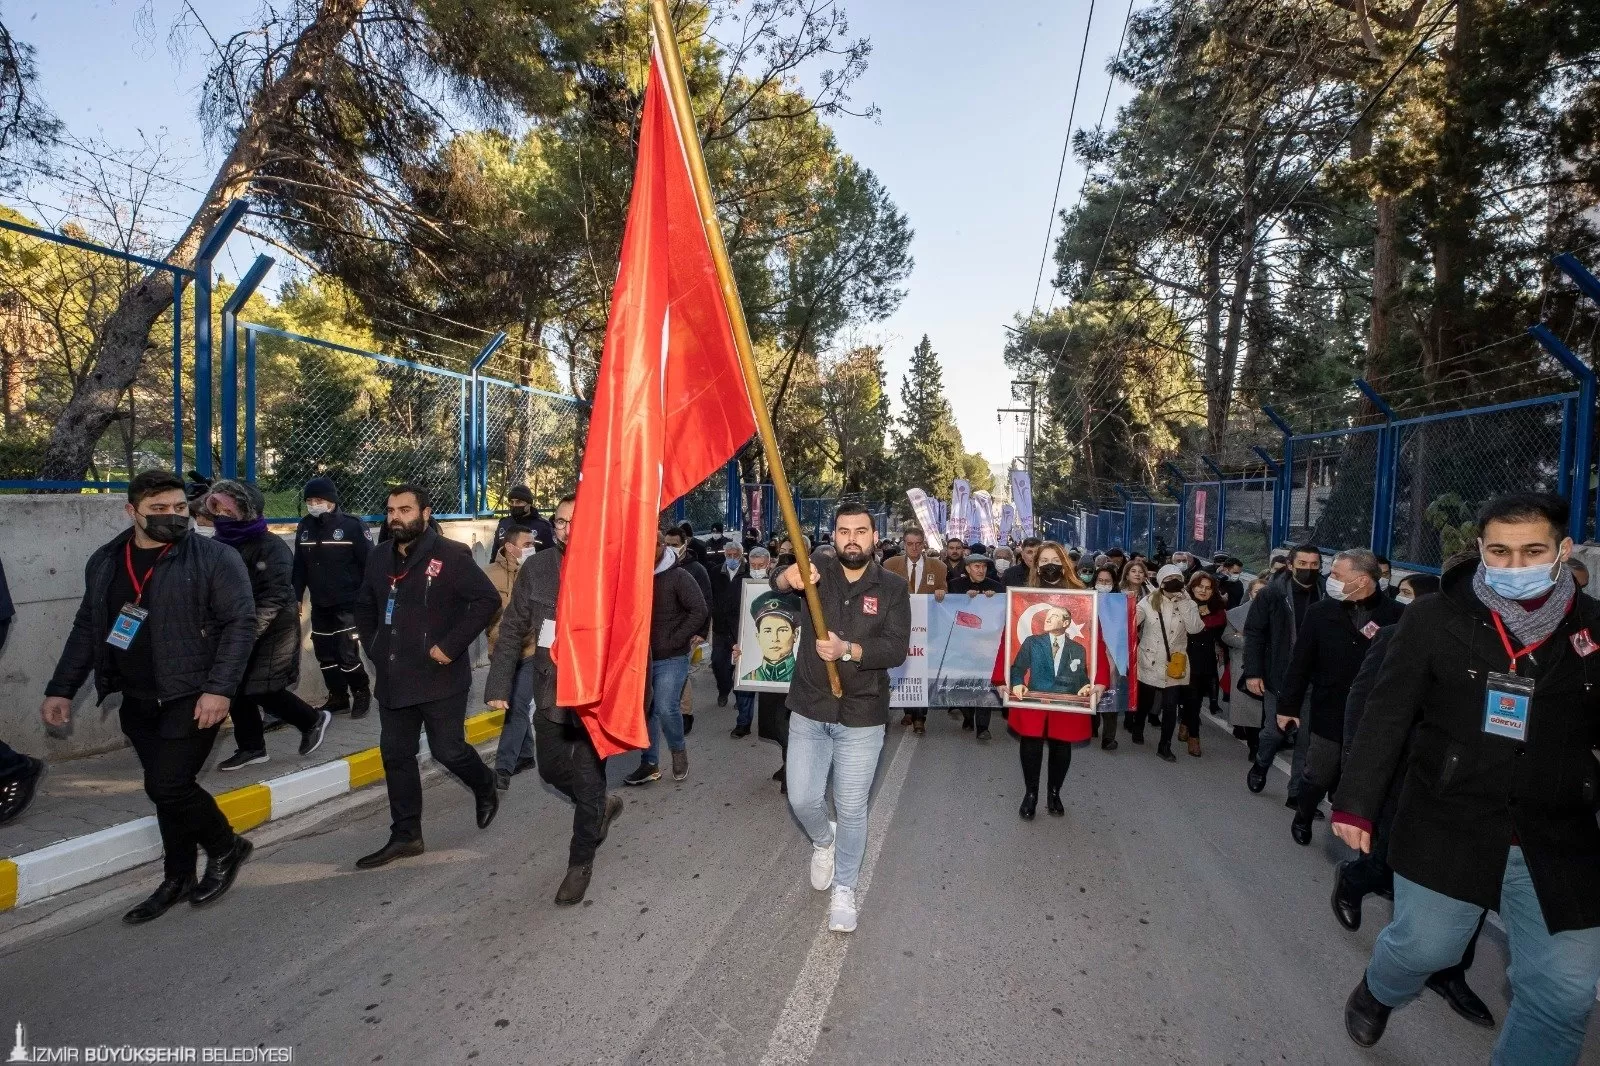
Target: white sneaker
[822,862]
[842,915]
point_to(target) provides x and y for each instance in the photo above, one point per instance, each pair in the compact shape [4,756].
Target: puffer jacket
[202,622]
[275,662]
[1180,619]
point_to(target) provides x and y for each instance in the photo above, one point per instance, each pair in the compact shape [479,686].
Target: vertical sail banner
[1022,498]
[956,526]
[1010,527]
[987,524]
[925,508]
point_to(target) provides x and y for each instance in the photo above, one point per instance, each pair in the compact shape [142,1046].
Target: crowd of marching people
[1452,720]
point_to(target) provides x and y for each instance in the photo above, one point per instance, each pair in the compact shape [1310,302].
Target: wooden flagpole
[678,92]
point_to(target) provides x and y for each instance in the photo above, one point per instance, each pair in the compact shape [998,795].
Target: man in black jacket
[1276,615]
[690,552]
[868,616]
[567,758]
[168,621]
[423,603]
[1493,683]
[1332,641]
[678,614]
[330,562]
[524,515]
[726,580]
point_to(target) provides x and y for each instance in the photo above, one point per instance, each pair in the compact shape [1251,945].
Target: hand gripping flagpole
[678,92]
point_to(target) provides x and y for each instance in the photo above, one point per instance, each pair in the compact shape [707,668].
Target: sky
[974,102]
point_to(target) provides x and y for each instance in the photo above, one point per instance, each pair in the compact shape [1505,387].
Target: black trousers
[401,730]
[172,751]
[338,650]
[569,764]
[722,663]
[1032,751]
[1323,770]
[246,714]
[1201,687]
[1151,701]
[12,761]
[978,715]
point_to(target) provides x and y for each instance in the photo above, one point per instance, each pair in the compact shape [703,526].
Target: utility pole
[1031,390]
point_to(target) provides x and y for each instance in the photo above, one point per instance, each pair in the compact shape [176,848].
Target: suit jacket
[1035,667]
[935,575]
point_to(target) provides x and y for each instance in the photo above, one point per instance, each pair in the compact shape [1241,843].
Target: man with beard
[422,604]
[868,615]
[567,759]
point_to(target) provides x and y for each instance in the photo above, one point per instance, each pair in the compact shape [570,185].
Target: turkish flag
[670,409]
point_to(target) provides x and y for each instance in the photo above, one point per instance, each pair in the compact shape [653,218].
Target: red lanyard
[1505,641]
[138,582]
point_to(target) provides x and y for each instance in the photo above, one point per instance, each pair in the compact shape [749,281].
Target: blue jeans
[1272,739]
[1553,976]
[516,738]
[851,753]
[746,704]
[667,677]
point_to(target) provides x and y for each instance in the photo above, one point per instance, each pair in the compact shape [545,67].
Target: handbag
[1177,661]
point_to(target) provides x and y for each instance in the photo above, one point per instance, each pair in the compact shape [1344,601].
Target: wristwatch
[847,657]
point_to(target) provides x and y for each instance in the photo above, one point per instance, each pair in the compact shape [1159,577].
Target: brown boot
[1194,746]
[1183,732]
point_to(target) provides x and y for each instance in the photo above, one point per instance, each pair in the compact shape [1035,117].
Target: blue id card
[126,627]
[1506,706]
[388,610]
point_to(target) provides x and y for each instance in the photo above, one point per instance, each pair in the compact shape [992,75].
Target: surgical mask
[1051,572]
[1335,587]
[1101,586]
[1515,582]
[1087,575]
[759,574]
[1000,566]
[1172,588]
[166,528]
[1404,598]
[318,509]
[1383,583]
[732,565]
[1306,577]
[206,531]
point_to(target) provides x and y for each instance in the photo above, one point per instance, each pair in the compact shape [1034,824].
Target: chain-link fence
[1335,484]
[57,295]
[1247,520]
[1447,466]
[1201,498]
[1166,528]
[530,437]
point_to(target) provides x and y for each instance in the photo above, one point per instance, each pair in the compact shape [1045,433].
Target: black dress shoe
[1256,779]
[1054,806]
[574,885]
[613,808]
[1462,999]
[1346,905]
[1029,803]
[1300,829]
[524,764]
[159,902]
[395,849]
[220,872]
[1108,744]
[1136,735]
[722,701]
[17,791]
[1364,1016]
[740,731]
[488,806]
[1165,751]
[362,704]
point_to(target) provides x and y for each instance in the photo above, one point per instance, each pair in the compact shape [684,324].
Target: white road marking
[795,1036]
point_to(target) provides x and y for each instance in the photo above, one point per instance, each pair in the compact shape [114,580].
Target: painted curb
[78,861]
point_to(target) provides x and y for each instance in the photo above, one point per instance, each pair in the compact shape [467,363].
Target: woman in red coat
[1035,728]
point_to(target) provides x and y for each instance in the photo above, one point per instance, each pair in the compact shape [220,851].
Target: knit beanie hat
[323,489]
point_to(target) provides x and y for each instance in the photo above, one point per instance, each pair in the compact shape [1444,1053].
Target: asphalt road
[1168,918]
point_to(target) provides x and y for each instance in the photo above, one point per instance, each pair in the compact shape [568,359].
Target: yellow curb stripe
[481,727]
[365,767]
[246,807]
[8,884]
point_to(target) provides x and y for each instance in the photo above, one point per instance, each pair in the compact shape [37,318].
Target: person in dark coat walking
[423,603]
[678,614]
[727,580]
[523,515]
[330,562]
[235,510]
[19,773]
[1493,684]
[1328,653]
[1269,632]
[691,552]
[167,620]
[977,578]
[567,758]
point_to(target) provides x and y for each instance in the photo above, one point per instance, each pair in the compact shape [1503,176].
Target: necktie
[1055,650]
[916,576]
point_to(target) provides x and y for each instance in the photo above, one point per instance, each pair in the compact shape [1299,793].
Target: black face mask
[521,512]
[1051,572]
[1306,578]
[166,528]
[406,532]
[1172,587]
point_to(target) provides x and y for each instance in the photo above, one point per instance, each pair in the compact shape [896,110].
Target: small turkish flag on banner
[669,373]
[968,619]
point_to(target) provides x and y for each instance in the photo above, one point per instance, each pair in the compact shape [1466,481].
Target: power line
[1066,149]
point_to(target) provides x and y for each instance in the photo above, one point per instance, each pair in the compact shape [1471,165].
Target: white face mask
[1000,566]
[1403,598]
[318,509]
[1101,586]
[759,575]
[1383,583]
[205,531]
[1335,587]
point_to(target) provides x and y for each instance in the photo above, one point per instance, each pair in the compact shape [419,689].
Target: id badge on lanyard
[1509,699]
[132,615]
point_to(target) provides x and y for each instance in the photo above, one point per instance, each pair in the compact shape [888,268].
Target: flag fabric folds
[670,408]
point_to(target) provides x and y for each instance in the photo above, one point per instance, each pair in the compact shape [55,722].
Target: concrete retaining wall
[44,542]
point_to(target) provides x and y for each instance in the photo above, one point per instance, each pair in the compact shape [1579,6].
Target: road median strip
[67,864]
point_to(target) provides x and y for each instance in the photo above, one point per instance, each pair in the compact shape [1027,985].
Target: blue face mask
[1521,582]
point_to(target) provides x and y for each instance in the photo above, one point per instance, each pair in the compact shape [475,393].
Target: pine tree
[927,443]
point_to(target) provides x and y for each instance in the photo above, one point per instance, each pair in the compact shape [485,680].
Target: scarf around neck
[236,532]
[1529,627]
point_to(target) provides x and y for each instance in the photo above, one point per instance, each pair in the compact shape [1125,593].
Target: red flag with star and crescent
[670,409]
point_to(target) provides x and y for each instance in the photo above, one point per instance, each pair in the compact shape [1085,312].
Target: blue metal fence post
[210,245]
[1285,476]
[1583,430]
[177,376]
[1127,517]
[250,405]
[229,399]
[478,437]
[735,509]
[1388,460]
[463,446]
[1276,472]
[1222,501]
